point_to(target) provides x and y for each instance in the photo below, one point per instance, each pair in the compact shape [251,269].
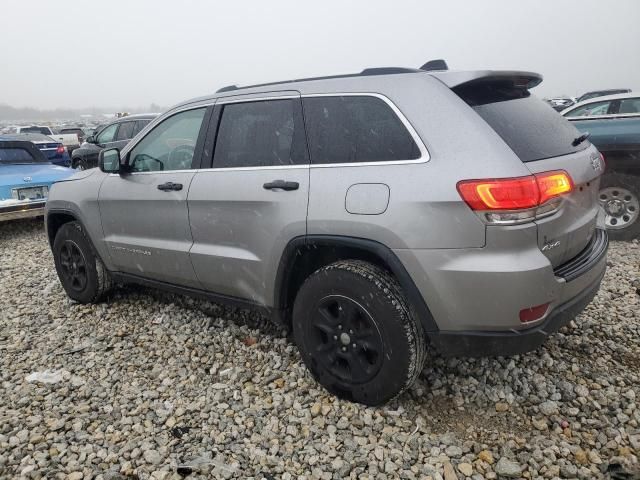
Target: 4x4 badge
[595,162]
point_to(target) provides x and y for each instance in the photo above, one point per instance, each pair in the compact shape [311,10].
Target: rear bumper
[477,344]
[22,210]
[475,296]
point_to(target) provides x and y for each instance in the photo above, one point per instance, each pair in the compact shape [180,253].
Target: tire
[620,198]
[81,164]
[82,274]
[356,333]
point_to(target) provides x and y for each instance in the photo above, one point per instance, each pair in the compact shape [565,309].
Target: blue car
[25,178]
[53,150]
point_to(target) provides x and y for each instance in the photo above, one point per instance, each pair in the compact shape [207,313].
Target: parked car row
[562,103]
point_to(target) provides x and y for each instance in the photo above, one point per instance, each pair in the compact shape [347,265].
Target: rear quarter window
[354,129]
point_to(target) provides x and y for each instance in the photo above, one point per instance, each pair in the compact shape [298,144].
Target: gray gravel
[157,386]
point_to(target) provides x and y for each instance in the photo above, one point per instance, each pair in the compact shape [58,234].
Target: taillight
[516,200]
[60,149]
[553,184]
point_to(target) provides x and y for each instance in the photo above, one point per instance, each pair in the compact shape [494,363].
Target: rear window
[529,126]
[42,130]
[352,129]
[15,155]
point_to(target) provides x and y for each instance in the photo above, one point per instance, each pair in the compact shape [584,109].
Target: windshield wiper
[580,139]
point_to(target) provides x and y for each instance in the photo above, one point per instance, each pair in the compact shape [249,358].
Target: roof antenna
[434,65]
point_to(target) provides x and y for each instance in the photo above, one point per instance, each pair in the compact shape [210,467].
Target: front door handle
[170,186]
[281,185]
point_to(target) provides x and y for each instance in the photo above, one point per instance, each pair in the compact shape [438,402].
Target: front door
[245,209]
[144,213]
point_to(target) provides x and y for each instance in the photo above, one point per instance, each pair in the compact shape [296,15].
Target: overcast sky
[116,53]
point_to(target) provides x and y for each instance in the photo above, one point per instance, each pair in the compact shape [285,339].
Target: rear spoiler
[513,78]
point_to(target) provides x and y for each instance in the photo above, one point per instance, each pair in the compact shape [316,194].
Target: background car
[53,150]
[69,140]
[601,93]
[25,179]
[113,135]
[613,123]
[74,130]
[560,103]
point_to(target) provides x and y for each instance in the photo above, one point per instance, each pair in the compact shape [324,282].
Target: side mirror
[109,160]
[91,139]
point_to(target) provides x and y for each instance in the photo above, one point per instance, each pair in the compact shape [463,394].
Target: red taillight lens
[533,313]
[60,150]
[514,193]
[500,193]
[553,184]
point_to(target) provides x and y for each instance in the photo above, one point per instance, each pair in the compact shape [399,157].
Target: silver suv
[375,214]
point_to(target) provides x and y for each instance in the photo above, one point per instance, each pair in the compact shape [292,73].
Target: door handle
[170,186]
[281,185]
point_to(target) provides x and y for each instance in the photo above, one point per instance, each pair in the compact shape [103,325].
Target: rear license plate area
[31,193]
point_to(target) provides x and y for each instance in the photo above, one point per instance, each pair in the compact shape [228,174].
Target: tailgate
[567,232]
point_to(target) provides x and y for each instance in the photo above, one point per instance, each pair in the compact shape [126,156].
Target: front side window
[108,134]
[259,134]
[596,108]
[125,132]
[170,145]
[347,129]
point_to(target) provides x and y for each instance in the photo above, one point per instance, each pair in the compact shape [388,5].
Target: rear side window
[353,129]
[591,109]
[529,126]
[629,105]
[15,155]
[125,132]
[260,134]
[140,124]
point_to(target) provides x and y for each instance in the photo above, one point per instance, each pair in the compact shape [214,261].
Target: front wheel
[356,332]
[619,196]
[81,272]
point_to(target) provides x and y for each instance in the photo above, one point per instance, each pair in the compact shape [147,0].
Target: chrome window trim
[424,153]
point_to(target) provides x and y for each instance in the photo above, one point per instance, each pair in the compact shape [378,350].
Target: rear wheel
[356,332]
[81,272]
[619,196]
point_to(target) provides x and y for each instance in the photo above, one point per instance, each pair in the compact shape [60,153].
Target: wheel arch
[54,219]
[305,254]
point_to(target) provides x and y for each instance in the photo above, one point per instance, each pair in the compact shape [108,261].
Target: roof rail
[228,88]
[435,65]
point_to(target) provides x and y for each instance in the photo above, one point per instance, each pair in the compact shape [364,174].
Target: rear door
[545,141]
[245,208]
[144,213]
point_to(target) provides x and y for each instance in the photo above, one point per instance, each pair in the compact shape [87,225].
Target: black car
[112,135]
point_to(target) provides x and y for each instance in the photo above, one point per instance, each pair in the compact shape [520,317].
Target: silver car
[377,214]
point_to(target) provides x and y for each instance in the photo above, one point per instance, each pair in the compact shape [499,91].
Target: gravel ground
[151,385]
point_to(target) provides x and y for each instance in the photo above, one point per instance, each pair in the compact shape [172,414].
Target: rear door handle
[170,186]
[281,185]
